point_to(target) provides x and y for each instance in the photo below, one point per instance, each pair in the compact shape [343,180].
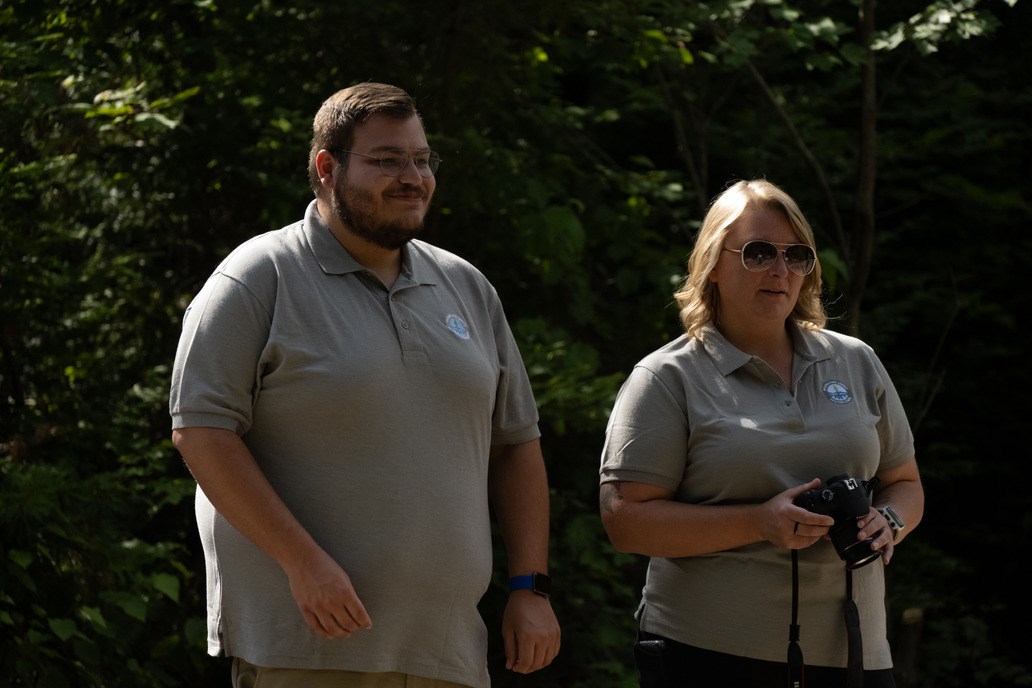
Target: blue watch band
[539,583]
[521,582]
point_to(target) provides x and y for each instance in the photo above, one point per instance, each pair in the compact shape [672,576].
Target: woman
[713,438]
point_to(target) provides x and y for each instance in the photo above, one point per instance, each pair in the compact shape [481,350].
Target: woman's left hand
[875,526]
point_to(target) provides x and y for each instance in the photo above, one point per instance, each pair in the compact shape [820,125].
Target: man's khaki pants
[247,675]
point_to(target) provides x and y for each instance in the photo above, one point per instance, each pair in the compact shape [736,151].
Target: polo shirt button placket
[407,332]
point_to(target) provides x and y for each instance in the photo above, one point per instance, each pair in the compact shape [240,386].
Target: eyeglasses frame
[433,162]
[780,251]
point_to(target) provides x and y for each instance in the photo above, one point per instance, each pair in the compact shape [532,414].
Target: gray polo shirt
[372,413]
[717,426]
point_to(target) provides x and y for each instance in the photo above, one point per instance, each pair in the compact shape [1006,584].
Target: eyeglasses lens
[426,163]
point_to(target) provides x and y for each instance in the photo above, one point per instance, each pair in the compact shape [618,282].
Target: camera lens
[859,555]
[856,553]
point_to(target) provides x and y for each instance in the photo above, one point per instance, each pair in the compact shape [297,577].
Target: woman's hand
[791,526]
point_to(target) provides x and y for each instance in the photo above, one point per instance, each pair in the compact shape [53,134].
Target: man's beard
[356,210]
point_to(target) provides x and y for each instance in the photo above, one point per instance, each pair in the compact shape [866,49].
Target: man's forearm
[233,482]
[519,493]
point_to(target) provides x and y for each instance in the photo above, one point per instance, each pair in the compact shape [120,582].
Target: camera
[845,499]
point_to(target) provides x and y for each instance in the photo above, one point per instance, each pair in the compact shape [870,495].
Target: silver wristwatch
[895,522]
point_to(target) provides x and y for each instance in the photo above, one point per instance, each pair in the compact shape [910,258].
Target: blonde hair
[697,297]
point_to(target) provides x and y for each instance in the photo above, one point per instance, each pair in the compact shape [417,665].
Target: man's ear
[325,164]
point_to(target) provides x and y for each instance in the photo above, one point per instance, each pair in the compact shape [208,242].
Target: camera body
[845,499]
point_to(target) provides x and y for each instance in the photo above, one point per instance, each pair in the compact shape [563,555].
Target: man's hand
[530,632]
[326,598]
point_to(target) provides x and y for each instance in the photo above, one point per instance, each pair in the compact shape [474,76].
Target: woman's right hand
[791,526]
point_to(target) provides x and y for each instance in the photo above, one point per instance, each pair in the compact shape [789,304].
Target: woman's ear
[712,276]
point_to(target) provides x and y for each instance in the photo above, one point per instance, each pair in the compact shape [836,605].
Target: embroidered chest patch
[837,392]
[457,325]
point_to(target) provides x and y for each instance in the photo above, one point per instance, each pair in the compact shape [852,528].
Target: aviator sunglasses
[758,256]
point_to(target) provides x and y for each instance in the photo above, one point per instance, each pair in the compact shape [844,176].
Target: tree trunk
[863,231]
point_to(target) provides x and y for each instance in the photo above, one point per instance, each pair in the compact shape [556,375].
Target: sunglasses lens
[799,258]
[759,255]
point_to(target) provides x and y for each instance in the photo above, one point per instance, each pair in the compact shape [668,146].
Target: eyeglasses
[758,256]
[395,161]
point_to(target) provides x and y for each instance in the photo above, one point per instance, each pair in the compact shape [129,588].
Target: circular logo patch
[457,325]
[837,392]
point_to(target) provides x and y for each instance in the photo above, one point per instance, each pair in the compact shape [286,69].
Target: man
[348,398]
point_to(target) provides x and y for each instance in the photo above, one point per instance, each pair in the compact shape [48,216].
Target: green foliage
[80,600]
[567,383]
[582,142]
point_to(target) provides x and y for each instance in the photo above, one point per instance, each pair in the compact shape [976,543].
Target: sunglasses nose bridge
[780,262]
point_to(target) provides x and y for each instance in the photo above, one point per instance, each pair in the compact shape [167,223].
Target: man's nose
[410,171]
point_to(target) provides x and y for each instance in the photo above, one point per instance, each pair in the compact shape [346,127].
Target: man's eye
[422,162]
[391,162]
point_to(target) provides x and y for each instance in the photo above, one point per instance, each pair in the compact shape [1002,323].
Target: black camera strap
[855,656]
[795,653]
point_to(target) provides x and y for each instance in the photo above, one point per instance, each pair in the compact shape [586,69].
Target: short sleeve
[647,435]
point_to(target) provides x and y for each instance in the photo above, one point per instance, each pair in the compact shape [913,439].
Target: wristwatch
[539,583]
[895,522]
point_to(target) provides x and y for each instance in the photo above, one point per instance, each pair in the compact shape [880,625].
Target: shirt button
[394,297]
[404,324]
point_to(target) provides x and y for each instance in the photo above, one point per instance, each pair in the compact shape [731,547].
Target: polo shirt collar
[810,347]
[416,262]
[726,356]
[334,259]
